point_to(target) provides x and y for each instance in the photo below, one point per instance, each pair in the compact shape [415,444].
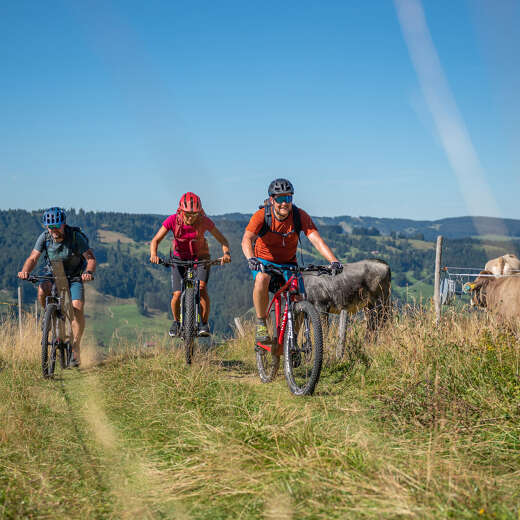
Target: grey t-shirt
[70,251]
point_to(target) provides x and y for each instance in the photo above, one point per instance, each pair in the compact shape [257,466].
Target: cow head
[478,288]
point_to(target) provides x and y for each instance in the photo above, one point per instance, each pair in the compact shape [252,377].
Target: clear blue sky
[125,105]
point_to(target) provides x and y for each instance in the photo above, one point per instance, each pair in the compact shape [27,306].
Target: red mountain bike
[295,328]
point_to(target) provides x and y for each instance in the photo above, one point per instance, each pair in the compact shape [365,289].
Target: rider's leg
[78,320]
[78,326]
[261,300]
[204,302]
[176,305]
[44,290]
[261,294]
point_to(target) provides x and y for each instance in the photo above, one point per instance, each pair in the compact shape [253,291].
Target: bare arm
[29,264]
[322,247]
[247,244]
[225,244]
[87,276]
[156,240]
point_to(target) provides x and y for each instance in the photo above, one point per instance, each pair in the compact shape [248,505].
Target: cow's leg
[371,317]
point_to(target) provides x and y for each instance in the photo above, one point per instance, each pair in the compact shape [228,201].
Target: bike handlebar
[320,269]
[36,279]
[188,263]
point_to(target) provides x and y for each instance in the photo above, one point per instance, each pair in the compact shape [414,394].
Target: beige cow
[499,295]
[506,264]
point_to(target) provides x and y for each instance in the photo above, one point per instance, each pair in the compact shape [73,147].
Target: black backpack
[268,221]
[74,230]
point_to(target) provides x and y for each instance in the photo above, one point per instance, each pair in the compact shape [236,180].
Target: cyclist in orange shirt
[276,234]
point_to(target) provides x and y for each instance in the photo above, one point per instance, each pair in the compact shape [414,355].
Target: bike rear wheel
[268,363]
[49,340]
[189,324]
[303,353]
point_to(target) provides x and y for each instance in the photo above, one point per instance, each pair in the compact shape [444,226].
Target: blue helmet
[54,217]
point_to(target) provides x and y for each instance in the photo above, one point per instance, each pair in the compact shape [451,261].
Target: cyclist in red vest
[188,226]
[275,237]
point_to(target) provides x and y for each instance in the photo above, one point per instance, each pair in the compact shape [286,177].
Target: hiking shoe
[204,330]
[262,334]
[73,363]
[174,329]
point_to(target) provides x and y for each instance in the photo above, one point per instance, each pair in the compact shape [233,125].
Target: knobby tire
[49,340]
[64,355]
[302,348]
[190,323]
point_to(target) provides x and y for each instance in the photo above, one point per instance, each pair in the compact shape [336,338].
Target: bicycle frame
[61,294]
[290,292]
[190,280]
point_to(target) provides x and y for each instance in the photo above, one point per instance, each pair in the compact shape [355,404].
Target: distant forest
[124,270]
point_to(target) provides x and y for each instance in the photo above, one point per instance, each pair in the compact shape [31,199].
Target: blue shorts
[76,290]
[286,274]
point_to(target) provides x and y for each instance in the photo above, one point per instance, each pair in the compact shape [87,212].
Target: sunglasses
[283,198]
[190,214]
[54,226]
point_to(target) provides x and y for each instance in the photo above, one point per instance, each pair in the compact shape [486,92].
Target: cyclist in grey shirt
[70,245]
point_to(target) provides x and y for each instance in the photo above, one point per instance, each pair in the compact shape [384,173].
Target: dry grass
[420,422]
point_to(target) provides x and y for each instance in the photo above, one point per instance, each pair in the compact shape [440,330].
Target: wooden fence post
[20,309]
[437,282]
[239,327]
[342,332]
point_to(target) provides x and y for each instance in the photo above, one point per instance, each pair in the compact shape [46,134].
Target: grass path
[429,430]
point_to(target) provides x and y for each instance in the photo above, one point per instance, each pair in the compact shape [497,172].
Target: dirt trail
[132,481]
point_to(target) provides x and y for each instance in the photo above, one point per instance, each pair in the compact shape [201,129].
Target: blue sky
[391,109]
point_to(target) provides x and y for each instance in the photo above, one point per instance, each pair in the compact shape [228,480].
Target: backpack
[194,243]
[268,220]
[75,230]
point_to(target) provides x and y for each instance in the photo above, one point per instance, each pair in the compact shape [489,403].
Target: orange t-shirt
[274,247]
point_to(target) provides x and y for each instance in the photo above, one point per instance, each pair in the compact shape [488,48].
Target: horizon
[76,210]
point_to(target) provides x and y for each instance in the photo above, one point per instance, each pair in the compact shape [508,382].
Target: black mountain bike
[295,328]
[57,335]
[190,318]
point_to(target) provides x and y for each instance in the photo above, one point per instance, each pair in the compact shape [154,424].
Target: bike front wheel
[49,340]
[303,349]
[189,324]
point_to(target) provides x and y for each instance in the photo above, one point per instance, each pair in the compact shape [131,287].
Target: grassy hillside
[423,423]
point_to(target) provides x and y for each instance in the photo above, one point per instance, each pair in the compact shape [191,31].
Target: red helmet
[190,202]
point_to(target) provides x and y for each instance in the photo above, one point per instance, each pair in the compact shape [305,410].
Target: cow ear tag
[468,287]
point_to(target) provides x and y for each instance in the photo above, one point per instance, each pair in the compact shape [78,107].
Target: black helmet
[280,186]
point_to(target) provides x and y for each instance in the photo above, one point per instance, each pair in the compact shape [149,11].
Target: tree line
[125,272]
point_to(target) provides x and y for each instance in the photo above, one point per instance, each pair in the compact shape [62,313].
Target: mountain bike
[57,337]
[295,328]
[190,318]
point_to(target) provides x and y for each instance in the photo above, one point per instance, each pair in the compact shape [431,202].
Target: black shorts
[178,273]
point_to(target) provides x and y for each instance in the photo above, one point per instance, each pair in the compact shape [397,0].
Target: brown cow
[499,295]
[506,264]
